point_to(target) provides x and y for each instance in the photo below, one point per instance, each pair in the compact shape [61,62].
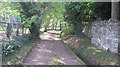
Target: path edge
[73,53]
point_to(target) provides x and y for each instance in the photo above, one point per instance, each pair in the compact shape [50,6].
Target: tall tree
[101,10]
[115,11]
[34,12]
[53,15]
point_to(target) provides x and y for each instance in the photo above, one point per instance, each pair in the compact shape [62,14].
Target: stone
[104,34]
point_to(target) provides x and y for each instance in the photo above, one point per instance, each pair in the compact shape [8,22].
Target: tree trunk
[17,32]
[115,11]
[56,26]
[45,28]
[22,29]
[60,26]
[53,26]
[34,30]
[9,31]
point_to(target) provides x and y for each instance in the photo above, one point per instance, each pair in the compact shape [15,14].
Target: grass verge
[73,53]
[90,53]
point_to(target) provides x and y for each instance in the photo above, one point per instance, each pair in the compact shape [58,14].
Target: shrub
[16,43]
[67,31]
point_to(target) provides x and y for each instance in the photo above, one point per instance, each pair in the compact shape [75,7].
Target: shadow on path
[51,51]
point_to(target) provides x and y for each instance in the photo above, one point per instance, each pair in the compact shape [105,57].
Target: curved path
[50,50]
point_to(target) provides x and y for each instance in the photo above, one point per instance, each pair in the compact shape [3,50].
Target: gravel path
[50,50]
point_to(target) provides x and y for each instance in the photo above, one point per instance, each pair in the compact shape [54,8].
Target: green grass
[73,53]
[101,56]
[88,52]
[56,61]
[2,31]
[42,33]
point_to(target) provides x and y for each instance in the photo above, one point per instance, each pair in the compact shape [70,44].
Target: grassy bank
[90,53]
[70,50]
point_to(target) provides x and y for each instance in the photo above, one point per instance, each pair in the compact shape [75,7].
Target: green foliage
[34,13]
[33,18]
[19,54]
[26,22]
[67,31]
[76,13]
[6,8]
[25,9]
[53,14]
[8,48]
[102,10]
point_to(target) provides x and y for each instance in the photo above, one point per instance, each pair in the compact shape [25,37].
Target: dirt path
[51,51]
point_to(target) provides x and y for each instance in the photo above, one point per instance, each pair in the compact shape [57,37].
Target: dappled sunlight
[39,56]
[95,49]
[57,61]
[94,53]
[99,39]
[62,58]
[41,63]
[44,50]
[35,60]
[59,33]
[50,36]
[106,47]
[50,50]
[98,50]
[92,48]
[44,45]
[56,39]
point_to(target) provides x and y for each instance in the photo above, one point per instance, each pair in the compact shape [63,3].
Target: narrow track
[50,50]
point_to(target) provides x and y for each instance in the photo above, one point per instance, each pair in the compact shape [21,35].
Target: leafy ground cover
[19,54]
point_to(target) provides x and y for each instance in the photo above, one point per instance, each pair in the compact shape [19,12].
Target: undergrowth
[19,53]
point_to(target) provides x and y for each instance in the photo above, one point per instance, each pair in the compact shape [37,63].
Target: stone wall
[104,34]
